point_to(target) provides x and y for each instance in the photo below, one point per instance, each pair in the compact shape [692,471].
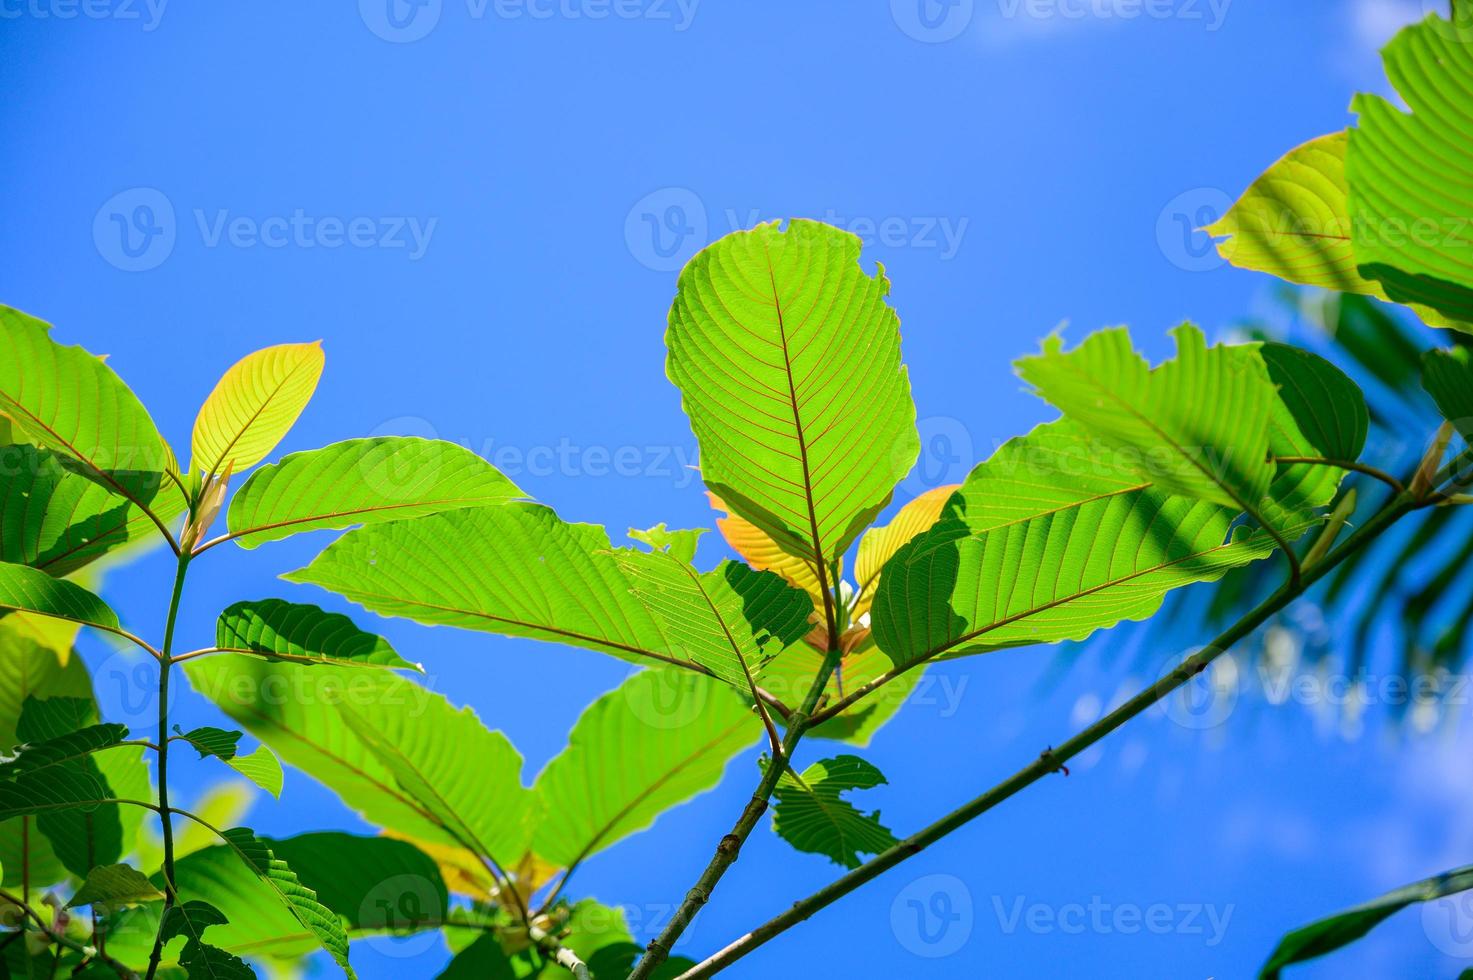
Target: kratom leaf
[1332,933]
[762,553]
[100,424]
[253,406]
[1197,425]
[300,900]
[260,767]
[205,962]
[31,590]
[812,814]
[879,544]
[55,520]
[1411,173]
[190,920]
[1320,413]
[1049,540]
[115,885]
[788,362]
[679,544]
[483,959]
[375,885]
[1448,377]
[730,620]
[516,569]
[653,742]
[301,633]
[788,678]
[1294,222]
[362,481]
[296,710]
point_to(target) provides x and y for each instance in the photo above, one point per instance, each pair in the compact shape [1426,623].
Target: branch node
[1047,757]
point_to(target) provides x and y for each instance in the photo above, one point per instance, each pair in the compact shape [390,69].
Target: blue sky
[479,208]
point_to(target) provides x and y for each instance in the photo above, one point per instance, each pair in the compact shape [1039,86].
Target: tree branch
[1052,760]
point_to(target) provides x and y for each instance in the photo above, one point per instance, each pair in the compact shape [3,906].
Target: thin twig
[88,952]
[1347,464]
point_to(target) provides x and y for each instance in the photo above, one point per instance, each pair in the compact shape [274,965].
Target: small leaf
[812,815]
[301,633]
[253,406]
[363,481]
[260,767]
[1339,930]
[201,960]
[115,885]
[190,920]
[680,544]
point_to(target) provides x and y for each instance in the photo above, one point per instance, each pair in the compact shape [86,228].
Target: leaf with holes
[260,767]
[812,814]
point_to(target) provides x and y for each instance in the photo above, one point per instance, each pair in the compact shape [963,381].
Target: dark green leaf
[812,814]
[301,633]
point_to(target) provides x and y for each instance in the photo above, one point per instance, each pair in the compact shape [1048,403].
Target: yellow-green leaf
[254,405]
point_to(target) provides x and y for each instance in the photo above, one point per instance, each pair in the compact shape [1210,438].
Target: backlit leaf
[788,362]
[115,885]
[253,406]
[879,544]
[362,481]
[1448,377]
[762,553]
[31,590]
[260,767]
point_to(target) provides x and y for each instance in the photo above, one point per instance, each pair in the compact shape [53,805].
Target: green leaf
[1339,930]
[260,767]
[730,620]
[1448,377]
[115,885]
[300,633]
[483,959]
[300,900]
[362,481]
[299,712]
[680,544]
[812,814]
[57,521]
[516,569]
[1411,173]
[658,739]
[787,358]
[1320,413]
[200,959]
[100,424]
[1047,541]
[28,589]
[253,406]
[1294,222]
[1197,425]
